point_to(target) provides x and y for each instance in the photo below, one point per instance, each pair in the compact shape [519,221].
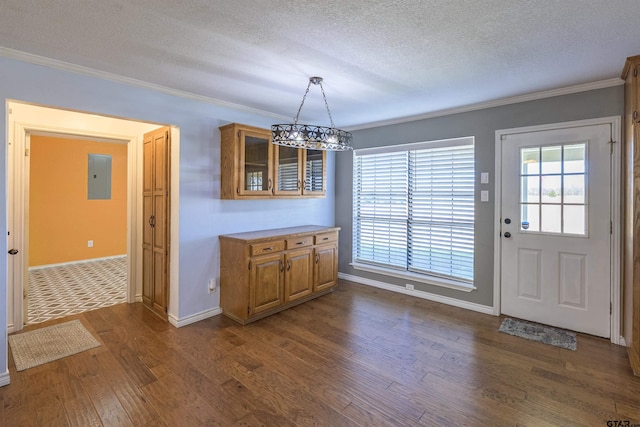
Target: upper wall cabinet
[252,167]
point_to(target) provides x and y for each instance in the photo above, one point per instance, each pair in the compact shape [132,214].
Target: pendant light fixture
[312,136]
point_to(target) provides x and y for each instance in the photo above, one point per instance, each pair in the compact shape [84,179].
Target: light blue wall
[203,216]
[481,124]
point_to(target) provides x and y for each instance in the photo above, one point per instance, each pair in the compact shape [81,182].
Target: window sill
[415,277]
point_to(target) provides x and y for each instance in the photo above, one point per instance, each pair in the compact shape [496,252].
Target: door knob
[13,251]
[507,234]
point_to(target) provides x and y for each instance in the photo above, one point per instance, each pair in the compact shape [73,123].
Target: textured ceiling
[380,60]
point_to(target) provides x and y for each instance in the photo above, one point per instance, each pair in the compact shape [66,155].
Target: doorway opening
[77,225]
[26,121]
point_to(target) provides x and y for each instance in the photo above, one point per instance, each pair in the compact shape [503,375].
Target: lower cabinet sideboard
[264,272]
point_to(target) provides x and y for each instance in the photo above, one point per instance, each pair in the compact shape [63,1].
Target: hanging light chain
[295,121]
[326,104]
[315,81]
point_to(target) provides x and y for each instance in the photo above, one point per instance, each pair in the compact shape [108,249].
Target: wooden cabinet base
[275,310]
[264,272]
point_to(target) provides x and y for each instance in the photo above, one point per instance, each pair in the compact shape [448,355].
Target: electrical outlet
[90,244]
[410,287]
[212,285]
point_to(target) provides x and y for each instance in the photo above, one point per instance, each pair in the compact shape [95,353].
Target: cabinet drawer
[267,247]
[326,238]
[299,242]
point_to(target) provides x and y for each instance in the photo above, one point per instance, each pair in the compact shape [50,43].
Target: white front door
[556,227]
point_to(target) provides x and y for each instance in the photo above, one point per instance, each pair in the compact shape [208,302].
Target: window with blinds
[413,208]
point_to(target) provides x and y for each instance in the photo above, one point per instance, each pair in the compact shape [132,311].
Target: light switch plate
[484,196]
[484,178]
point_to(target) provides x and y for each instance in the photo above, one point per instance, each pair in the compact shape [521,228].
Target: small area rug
[541,333]
[45,345]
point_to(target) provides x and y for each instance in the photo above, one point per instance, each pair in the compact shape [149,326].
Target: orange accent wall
[61,218]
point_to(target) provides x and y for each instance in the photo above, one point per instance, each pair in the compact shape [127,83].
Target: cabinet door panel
[326,259]
[314,172]
[298,277]
[266,283]
[255,172]
[288,175]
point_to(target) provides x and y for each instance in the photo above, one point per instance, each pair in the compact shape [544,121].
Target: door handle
[152,221]
[507,234]
[317,258]
[13,251]
[289,265]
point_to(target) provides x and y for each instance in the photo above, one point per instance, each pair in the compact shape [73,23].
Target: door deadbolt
[13,251]
[507,220]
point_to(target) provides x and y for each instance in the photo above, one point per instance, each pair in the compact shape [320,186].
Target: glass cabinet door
[255,154]
[289,170]
[314,174]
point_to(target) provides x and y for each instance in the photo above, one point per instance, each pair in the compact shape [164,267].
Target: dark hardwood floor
[358,356]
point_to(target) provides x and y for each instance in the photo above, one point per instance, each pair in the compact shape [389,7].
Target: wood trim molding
[601,84]
[79,69]
[180,322]
[4,379]
[420,294]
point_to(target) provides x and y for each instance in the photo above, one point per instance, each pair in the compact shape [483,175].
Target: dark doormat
[541,333]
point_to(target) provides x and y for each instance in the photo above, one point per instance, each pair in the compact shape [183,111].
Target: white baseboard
[178,323]
[621,341]
[80,261]
[420,294]
[4,379]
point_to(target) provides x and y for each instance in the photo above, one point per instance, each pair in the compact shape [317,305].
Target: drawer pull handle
[326,238]
[301,243]
[270,248]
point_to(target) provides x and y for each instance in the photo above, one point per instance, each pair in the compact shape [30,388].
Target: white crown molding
[67,66]
[79,69]
[602,84]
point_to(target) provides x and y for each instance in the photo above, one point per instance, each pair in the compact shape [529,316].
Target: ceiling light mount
[312,137]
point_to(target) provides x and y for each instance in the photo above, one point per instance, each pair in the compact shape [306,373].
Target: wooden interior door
[156,219]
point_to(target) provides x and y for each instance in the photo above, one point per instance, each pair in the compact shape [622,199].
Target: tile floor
[70,289]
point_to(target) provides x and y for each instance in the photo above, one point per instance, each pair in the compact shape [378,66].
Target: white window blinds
[413,208]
